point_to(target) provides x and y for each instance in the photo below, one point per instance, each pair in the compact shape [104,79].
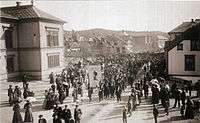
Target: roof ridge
[35,10]
[22,6]
[30,11]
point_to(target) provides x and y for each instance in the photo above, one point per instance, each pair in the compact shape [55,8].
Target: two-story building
[31,42]
[183,51]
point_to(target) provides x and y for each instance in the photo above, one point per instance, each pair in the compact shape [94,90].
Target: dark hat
[40,116]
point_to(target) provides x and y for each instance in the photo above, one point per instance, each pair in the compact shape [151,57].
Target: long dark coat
[189,112]
[155,95]
[28,113]
[17,118]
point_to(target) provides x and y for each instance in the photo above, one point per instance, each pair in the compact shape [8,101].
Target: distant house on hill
[183,51]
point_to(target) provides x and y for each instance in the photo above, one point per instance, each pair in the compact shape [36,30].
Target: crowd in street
[117,74]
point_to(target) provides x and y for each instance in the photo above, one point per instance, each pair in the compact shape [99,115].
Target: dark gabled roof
[182,28]
[185,31]
[5,15]
[29,12]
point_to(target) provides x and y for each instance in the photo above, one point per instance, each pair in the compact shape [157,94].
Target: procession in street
[103,62]
[116,83]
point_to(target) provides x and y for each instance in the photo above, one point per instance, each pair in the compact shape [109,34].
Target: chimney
[32,2]
[18,3]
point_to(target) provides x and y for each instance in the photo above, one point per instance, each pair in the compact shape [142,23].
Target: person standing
[24,80]
[146,90]
[10,95]
[28,118]
[124,112]
[77,114]
[129,107]
[41,119]
[183,97]
[17,118]
[155,113]
[155,94]
[177,98]
[51,77]
[189,111]
[90,91]
[67,114]
[189,88]
[17,94]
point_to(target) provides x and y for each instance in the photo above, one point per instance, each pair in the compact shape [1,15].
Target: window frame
[12,65]
[9,45]
[179,47]
[190,66]
[53,60]
[52,37]
[196,48]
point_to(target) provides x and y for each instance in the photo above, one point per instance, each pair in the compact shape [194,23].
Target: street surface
[106,111]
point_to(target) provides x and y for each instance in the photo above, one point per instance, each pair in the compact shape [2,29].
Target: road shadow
[174,118]
[5,104]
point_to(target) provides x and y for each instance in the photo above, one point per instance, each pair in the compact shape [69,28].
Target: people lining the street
[124,113]
[155,113]
[42,119]
[28,118]
[77,114]
[17,118]
[67,114]
[10,95]
[116,77]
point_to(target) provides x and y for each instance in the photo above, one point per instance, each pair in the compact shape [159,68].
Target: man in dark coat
[67,114]
[183,97]
[146,90]
[177,97]
[17,94]
[189,88]
[77,114]
[124,114]
[155,94]
[173,88]
[41,119]
[155,113]
[10,95]
[51,77]
[24,80]
[189,111]
[90,91]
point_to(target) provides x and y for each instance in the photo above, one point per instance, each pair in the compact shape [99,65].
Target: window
[189,62]
[53,61]
[123,50]
[52,37]
[180,47]
[118,49]
[10,64]
[195,45]
[8,39]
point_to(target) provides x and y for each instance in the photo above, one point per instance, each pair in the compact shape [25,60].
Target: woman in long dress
[44,105]
[17,118]
[28,113]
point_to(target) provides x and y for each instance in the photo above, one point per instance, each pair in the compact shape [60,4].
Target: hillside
[138,41]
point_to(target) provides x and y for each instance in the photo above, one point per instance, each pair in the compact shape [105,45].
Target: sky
[133,15]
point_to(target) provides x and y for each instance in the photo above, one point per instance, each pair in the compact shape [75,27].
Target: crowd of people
[117,74]
[60,115]
[15,95]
